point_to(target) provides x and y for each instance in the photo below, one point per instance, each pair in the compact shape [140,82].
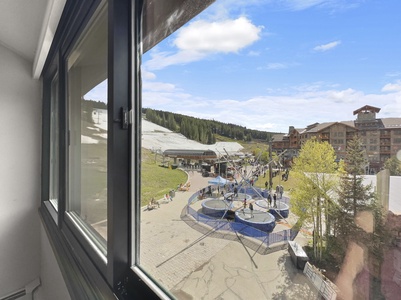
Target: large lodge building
[380,137]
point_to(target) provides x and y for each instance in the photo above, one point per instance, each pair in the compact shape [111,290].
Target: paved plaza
[194,265]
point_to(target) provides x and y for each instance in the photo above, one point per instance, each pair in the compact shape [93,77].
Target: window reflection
[54,144]
[87,96]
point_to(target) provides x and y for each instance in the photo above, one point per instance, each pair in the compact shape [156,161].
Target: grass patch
[155,180]
[288,185]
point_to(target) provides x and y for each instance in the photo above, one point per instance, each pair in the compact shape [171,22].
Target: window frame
[46,132]
[86,271]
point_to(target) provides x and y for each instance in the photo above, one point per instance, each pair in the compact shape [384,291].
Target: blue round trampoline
[215,207]
[263,221]
[281,210]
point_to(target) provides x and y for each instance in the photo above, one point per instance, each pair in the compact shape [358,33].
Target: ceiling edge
[51,19]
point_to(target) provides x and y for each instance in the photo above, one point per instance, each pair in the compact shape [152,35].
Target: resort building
[381,137]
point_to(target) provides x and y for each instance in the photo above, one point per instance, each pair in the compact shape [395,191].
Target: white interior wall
[53,285]
[20,140]
[25,252]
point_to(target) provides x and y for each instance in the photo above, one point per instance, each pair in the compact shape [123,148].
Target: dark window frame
[84,270]
[85,274]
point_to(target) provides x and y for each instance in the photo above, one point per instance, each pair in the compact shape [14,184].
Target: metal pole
[270,165]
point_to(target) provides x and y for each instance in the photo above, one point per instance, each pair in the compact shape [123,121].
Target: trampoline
[239,197]
[281,211]
[263,221]
[215,207]
[218,208]
[255,192]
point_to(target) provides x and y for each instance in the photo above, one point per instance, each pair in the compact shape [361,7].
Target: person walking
[251,209]
[274,200]
[243,209]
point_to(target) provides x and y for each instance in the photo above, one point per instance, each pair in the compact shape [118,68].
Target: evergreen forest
[202,130]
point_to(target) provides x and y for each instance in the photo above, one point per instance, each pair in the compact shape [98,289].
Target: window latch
[124,119]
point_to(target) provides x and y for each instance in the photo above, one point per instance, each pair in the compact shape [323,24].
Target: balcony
[385,150]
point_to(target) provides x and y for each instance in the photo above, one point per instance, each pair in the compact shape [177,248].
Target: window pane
[234,79]
[54,143]
[87,96]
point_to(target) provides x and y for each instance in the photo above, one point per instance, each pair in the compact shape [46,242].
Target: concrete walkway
[193,266]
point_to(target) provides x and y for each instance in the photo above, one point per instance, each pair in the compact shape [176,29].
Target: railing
[224,225]
[325,287]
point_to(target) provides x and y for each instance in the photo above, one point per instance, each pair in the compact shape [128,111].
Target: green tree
[210,138]
[315,169]
[353,195]
[393,165]
[172,125]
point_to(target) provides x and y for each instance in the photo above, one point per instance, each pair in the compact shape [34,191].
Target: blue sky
[272,64]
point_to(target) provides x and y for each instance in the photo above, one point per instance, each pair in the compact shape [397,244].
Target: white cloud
[277,110]
[253,53]
[158,86]
[202,38]
[393,74]
[276,66]
[225,36]
[392,87]
[332,5]
[326,47]
[147,75]
[303,4]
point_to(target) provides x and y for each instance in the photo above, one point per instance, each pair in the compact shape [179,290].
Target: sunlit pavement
[194,266]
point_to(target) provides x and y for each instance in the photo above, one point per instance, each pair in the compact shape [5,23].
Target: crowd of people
[232,187]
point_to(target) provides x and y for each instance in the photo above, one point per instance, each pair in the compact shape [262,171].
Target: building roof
[190,154]
[348,123]
[367,108]
[320,127]
[391,123]
[279,137]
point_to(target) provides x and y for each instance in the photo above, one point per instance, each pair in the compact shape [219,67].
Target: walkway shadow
[296,285]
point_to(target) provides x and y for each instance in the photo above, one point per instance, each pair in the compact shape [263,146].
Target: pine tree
[354,198]
[353,195]
[172,125]
[393,165]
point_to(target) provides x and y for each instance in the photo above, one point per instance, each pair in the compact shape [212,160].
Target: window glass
[54,143]
[87,101]
[228,208]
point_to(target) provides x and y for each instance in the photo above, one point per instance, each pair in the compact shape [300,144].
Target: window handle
[124,119]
